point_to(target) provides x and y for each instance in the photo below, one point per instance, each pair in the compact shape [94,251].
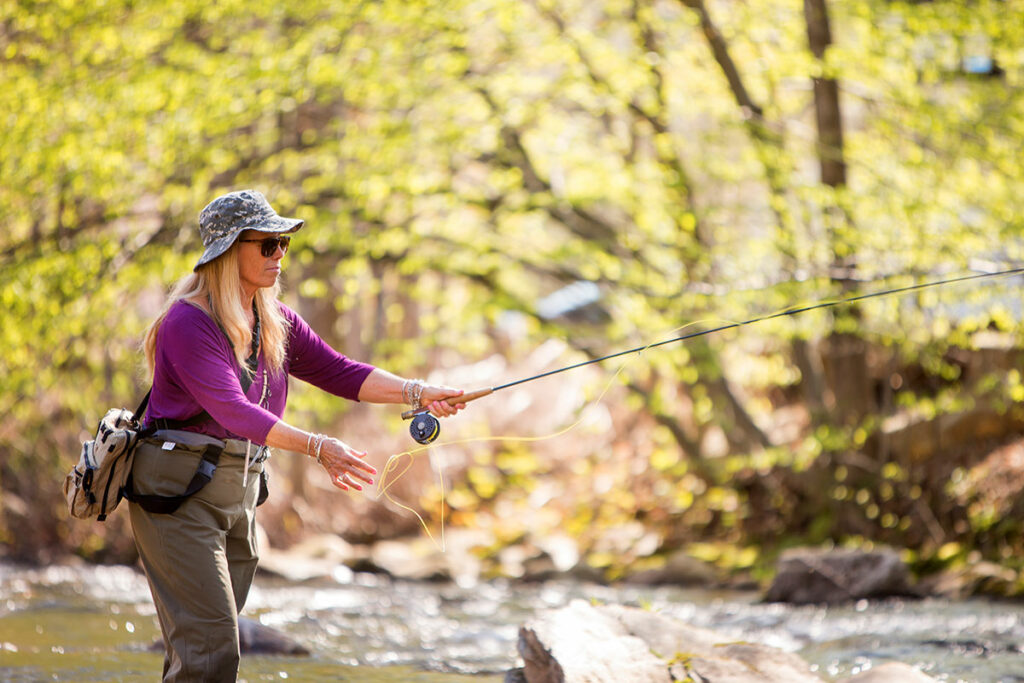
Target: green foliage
[456,162]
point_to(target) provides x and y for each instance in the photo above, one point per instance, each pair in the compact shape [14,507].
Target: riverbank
[93,622]
[466,559]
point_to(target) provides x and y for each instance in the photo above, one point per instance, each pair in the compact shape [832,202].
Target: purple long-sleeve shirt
[196,370]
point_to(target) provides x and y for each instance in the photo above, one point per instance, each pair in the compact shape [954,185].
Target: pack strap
[141,410]
[166,423]
[165,505]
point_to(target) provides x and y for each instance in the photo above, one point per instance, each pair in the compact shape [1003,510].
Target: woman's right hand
[345,465]
[433,399]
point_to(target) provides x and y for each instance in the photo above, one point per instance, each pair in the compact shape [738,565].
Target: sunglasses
[269,245]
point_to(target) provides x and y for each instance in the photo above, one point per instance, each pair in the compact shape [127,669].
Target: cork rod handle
[454,400]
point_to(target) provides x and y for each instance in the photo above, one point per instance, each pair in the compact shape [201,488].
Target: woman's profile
[220,353]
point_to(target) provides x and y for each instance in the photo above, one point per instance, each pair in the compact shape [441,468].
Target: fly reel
[424,428]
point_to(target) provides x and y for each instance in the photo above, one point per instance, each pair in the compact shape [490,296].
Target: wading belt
[165,505]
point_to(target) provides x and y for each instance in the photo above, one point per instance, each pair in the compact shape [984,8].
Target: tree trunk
[768,140]
[826,98]
[844,355]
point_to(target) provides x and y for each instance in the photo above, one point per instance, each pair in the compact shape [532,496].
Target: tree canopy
[458,162]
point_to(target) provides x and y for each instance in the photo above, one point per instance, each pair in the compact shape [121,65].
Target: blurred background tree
[496,187]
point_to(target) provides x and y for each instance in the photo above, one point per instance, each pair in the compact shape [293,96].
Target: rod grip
[453,401]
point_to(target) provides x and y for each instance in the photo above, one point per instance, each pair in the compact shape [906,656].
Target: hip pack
[96,484]
[103,475]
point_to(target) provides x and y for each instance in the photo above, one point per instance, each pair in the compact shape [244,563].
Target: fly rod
[425,428]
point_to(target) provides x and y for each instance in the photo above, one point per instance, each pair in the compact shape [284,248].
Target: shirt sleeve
[202,360]
[311,359]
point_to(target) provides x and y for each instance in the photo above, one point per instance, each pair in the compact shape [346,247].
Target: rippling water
[96,623]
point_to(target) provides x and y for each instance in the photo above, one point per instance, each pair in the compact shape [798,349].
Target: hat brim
[277,224]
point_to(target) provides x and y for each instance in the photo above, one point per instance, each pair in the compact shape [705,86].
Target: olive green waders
[199,560]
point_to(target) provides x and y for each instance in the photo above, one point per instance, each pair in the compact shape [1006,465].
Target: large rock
[744,663]
[449,557]
[817,576]
[583,643]
[678,569]
[320,556]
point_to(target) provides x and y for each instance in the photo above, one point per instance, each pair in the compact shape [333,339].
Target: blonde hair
[217,283]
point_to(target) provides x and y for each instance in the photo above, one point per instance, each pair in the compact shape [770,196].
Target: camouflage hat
[228,216]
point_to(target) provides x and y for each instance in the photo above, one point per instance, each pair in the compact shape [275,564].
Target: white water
[95,624]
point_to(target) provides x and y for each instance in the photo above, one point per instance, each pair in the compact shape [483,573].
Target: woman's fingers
[358,473]
[347,467]
[441,409]
[444,409]
[439,406]
[345,483]
[434,400]
[358,462]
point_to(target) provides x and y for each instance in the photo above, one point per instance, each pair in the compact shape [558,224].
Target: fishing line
[384,484]
[429,428]
[432,431]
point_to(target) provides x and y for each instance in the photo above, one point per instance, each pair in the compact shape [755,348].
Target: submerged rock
[833,576]
[256,639]
[890,672]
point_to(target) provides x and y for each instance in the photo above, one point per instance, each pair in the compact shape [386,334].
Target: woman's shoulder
[290,315]
[185,315]
[286,310]
[299,331]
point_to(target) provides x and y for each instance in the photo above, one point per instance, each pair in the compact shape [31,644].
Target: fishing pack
[96,484]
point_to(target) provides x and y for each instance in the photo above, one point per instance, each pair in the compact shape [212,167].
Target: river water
[88,623]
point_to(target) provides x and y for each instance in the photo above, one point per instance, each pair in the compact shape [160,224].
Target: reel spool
[424,428]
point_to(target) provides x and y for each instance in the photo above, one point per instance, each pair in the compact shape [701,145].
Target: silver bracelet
[320,438]
[415,392]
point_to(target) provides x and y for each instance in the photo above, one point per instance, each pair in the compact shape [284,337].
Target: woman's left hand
[433,397]
[346,466]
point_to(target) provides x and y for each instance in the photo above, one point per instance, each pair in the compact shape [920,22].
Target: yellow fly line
[391,474]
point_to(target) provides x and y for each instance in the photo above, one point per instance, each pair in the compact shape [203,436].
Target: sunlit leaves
[456,162]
